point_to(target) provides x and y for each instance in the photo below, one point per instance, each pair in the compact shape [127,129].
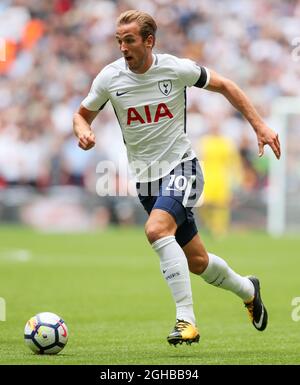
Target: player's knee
[198,263]
[156,230]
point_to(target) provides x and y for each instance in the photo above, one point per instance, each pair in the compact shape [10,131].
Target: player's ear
[150,41]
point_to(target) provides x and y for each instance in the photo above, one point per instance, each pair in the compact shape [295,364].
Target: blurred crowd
[54,49]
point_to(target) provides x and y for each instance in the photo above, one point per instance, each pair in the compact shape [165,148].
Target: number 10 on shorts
[181,183]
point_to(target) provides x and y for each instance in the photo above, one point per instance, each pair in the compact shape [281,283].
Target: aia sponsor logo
[143,114]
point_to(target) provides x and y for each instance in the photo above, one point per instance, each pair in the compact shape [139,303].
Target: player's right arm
[89,109]
[82,121]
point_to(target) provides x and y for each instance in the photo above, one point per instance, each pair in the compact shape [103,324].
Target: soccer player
[147,92]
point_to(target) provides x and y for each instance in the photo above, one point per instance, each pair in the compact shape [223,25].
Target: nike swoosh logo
[118,93]
[259,324]
[164,271]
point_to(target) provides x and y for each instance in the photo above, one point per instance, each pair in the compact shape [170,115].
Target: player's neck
[146,65]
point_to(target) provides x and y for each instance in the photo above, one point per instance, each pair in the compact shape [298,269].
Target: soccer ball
[46,333]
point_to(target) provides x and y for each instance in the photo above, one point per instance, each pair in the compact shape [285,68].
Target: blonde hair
[146,22]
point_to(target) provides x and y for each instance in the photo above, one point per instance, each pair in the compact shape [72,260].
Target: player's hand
[268,136]
[87,140]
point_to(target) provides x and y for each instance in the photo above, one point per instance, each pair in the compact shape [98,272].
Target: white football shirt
[151,110]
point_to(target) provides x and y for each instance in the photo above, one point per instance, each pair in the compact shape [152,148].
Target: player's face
[137,53]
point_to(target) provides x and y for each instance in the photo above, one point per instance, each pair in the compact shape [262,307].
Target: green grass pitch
[108,288]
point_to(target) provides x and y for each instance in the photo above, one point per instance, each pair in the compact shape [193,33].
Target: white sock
[218,273]
[174,268]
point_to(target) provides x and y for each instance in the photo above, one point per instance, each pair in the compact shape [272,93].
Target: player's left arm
[242,103]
